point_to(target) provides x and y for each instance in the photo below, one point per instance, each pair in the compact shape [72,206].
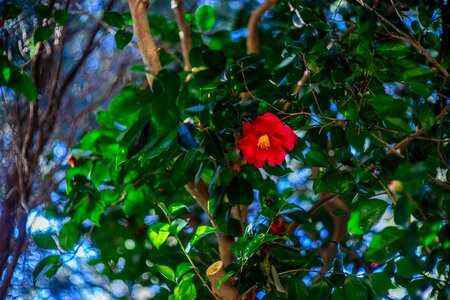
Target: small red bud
[71,161]
[277,226]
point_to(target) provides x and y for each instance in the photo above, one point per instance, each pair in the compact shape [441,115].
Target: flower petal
[277,155]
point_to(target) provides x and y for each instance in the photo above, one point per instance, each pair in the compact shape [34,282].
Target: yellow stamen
[264,142]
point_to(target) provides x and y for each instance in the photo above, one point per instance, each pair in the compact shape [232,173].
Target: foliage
[366,90]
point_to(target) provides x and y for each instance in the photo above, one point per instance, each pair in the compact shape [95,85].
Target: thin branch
[253,41]
[141,27]
[185,31]
[407,39]
[403,143]
[18,248]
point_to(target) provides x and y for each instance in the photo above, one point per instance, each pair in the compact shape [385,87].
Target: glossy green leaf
[205,17]
[122,38]
[320,289]
[366,215]
[158,233]
[316,159]
[200,232]
[23,84]
[42,33]
[240,191]
[68,236]
[384,244]
[113,19]
[11,11]
[182,269]
[47,266]
[177,209]
[177,226]
[354,288]
[166,271]
[44,240]
[43,11]
[61,16]
[296,289]
[339,294]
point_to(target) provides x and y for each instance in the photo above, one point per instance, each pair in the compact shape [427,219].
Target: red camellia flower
[266,140]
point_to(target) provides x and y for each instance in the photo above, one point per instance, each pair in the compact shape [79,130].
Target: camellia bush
[299,153]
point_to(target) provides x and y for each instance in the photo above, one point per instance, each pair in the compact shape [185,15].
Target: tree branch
[141,27]
[339,230]
[200,193]
[185,32]
[253,41]
[403,143]
[404,37]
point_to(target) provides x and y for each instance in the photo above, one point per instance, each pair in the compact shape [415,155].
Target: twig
[410,138]
[407,39]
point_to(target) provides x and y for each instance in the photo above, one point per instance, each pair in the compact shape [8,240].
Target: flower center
[264,142]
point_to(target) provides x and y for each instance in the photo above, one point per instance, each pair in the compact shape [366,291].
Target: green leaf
[240,191]
[184,168]
[48,267]
[316,159]
[10,11]
[164,115]
[43,10]
[177,225]
[246,248]
[158,233]
[200,232]
[23,84]
[178,209]
[288,257]
[128,101]
[387,105]
[6,72]
[214,60]
[122,38]
[399,123]
[166,271]
[393,50]
[339,294]
[355,138]
[186,290]
[381,283]
[44,240]
[296,289]
[42,33]
[205,17]
[320,290]
[170,141]
[68,236]
[365,215]
[61,16]
[225,278]
[418,74]
[427,118]
[354,288]
[384,244]
[113,19]
[182,269]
